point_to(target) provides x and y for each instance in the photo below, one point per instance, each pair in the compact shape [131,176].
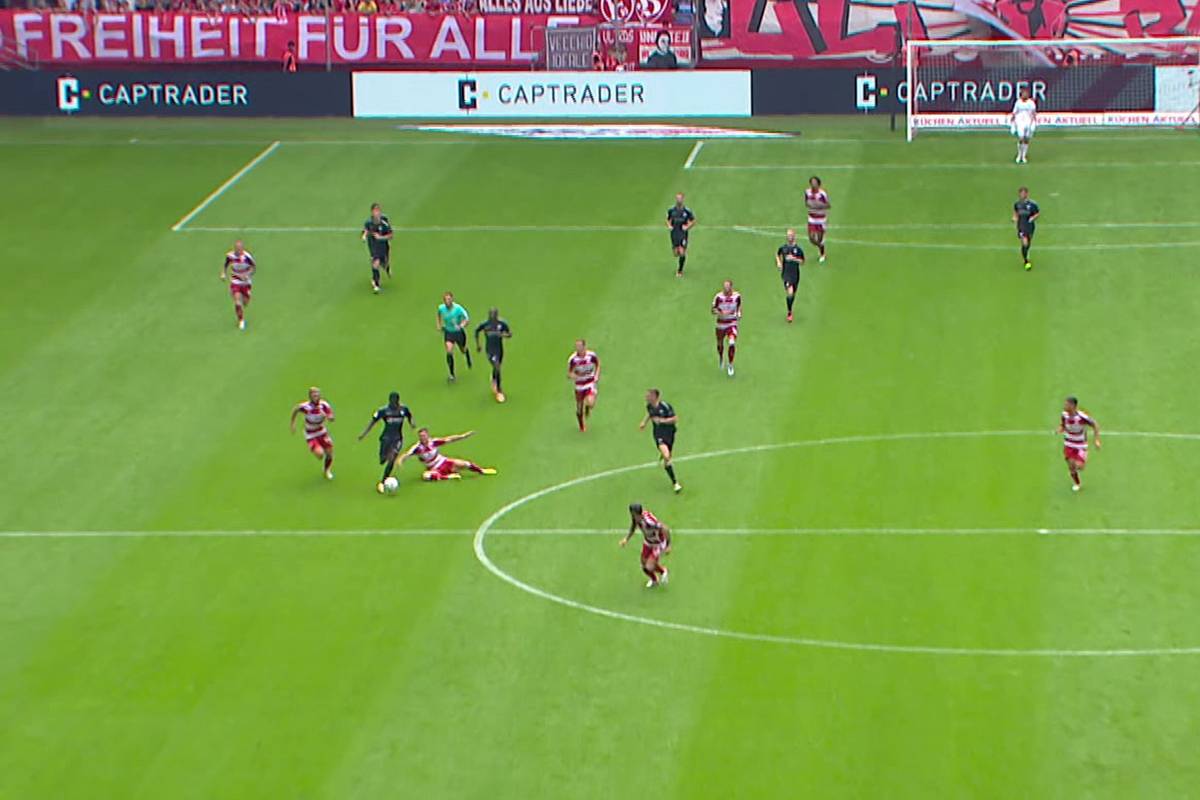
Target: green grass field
[882,585]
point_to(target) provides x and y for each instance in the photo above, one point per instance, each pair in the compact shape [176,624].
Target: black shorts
[389,448]
[665,437]
[380,253]
[678,237]
[791,277]
[496,357]
[1025,232]
[458,337]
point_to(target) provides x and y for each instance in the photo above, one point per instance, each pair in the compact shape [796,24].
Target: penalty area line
[226,186]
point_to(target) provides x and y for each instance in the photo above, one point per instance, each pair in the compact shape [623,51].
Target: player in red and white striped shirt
[438,467]
[1074,425]
[316,413]
[240,267]
[816,200]
[656,543]
[583,368]
[727,308]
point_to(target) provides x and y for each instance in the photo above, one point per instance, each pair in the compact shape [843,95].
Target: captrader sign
[551,94]
[71,93]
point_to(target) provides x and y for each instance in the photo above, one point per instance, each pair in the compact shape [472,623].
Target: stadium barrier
[176,93]
[510,95]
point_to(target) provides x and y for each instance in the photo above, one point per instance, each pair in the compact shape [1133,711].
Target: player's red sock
[240,313]
[471,465]
[1075,477]
[659,569]
[651,574]
[721,351]
[328,460]
[732,350]
[579,416]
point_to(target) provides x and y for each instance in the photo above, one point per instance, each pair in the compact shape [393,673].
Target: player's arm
[457,437]
[1016,218]
[478,330]
[438,316]
[386,237]
[225,268]
[1037,212]
[645,419]
[671,420]
[669,225]
[406,454]
[687,226]
[1095,431]
[632,528]
[666,532]
[292,421]
[364,233]
[466,320]
[371,424]
[779,260]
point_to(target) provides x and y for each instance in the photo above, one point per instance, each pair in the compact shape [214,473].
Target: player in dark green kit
[663,417]
[495,331]
[789,258]
[391,438]
[1025,214]
[377,233]
[680,220]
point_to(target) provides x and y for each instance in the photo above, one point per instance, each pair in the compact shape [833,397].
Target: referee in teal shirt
[452,320]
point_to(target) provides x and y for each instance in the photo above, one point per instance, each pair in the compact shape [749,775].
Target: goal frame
[910,66]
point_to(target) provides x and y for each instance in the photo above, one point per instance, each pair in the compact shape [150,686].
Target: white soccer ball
[391,484]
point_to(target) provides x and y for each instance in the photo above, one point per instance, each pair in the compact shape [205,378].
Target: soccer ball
[391,484]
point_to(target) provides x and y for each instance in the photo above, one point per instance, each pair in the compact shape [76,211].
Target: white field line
[691,159]
[224,187]
[773,229]
[1006,165]
[399,533]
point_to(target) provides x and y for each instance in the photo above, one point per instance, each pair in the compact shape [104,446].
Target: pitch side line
[226,186]
[1007,165]
[691,159]
[762,229]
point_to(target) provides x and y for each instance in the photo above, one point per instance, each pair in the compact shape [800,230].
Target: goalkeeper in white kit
[1023,122]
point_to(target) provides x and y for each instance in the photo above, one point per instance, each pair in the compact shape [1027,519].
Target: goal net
[957,85]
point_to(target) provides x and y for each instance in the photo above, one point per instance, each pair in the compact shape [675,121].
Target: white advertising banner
[440,95]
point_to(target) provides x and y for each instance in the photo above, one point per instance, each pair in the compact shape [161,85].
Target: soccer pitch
[882,585]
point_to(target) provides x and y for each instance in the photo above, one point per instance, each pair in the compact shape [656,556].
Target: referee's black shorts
[458,337]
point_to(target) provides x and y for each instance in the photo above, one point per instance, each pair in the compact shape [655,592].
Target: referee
[496,331]
[452,321]
[663,417]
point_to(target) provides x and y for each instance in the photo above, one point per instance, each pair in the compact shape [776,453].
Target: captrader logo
[69,93]
[467,94]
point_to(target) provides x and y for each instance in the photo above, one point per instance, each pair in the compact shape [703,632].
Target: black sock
[387,471]
[467,353]
[375,276]
[1025,252]
[681,260]
[670,472]
[791,299]
[450,363]
[496,377]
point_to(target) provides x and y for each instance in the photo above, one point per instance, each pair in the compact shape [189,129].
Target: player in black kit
[495,331]
[663,417]
[391,438]
[680,220]
[789,258]
[1025,214]
[377,233]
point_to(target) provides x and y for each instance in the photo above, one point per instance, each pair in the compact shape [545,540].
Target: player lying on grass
[316,413]
[1073,426]
[437,466]
[656,543]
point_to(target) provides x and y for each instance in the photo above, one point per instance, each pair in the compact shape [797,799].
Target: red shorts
[652,551]
[1076,455]
[583,393]
[320,443]
[816,229]
[728,333]
[243,290]
[442,470]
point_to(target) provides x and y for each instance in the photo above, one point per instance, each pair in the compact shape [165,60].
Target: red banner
[782,32]
[412,39]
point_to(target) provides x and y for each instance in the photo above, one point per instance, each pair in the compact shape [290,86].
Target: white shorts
[1023,130]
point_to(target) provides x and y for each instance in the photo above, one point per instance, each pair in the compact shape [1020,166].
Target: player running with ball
[1022,123]
[1073,426]
[656,543]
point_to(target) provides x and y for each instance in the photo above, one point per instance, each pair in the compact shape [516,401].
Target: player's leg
[1026,243]
[681,251]
[664,453]
[386,259]
[649,567]
[389,451]
[327,447]
[589,402]
[458,464]
[720,349]
[449,345]
[461,340]
[732,350]
[496,359]
[375,273]
[579,415]
[816,235]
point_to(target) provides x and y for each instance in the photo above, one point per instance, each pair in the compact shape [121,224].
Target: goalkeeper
[1023,122]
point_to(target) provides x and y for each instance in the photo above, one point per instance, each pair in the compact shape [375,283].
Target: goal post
[972,84]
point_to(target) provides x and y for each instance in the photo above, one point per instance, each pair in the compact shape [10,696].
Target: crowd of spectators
[254,7]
